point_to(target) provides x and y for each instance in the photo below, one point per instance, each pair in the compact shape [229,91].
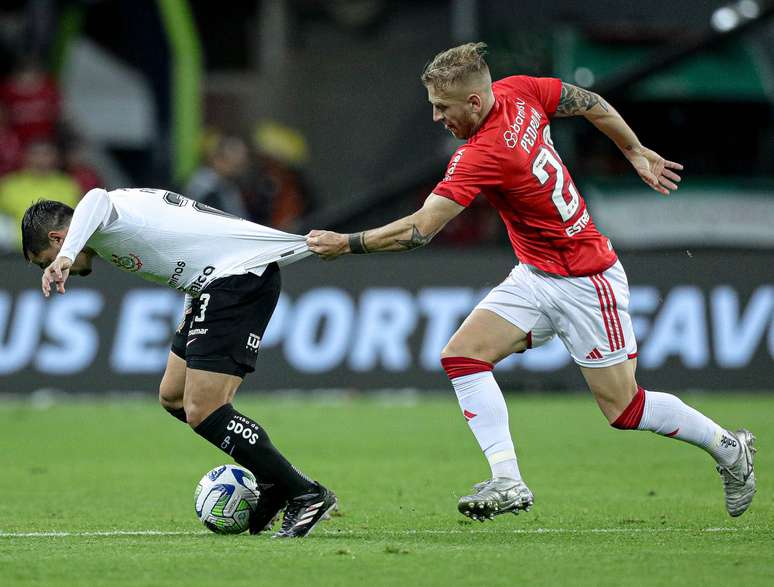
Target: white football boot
[739,477]
[494,497]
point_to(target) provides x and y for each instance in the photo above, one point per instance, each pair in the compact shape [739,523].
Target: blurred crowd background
[309,113]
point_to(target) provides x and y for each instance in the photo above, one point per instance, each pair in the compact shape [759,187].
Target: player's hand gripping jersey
[169,239]
[511,160]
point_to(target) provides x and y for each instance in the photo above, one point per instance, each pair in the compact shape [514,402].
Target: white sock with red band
[484,408]
[667,415]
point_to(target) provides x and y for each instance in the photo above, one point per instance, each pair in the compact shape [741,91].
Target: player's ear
[475,102]
[56,237]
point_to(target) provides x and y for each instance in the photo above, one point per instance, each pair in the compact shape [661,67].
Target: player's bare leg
[628,406]
[483,339]
[486,336]
[172,387]
[205,392]
[613,387]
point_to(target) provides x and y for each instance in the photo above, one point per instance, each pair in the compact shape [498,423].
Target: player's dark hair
[39,219]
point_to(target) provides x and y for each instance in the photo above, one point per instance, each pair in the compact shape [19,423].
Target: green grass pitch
[101,493]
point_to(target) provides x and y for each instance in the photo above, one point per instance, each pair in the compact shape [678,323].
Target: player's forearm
[90,212]
[575,101]
[402,235]
[611,123]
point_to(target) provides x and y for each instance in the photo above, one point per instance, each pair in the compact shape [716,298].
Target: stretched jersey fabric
[167,238]
[512,161]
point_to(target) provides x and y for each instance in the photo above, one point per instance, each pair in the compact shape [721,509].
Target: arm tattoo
[575,100]
[417,239]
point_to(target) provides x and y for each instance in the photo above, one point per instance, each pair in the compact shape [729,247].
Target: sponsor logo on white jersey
[199,282]
[174,280]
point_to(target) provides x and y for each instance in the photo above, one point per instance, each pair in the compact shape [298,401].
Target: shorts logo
[253,342]
[130,262]
[594,355]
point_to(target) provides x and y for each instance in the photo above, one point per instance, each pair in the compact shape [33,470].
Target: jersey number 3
[546,158]
[204,301]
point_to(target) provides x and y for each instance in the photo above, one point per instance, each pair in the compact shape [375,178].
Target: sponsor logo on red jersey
[453,165]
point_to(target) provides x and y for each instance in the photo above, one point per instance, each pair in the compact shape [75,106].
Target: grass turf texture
[611,507]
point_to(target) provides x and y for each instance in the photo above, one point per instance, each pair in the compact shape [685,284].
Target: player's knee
[197,412]
[622,406]
[170,397]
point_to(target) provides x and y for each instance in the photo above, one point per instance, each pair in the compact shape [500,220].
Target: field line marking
[331,532]
[539,531]
[104,533]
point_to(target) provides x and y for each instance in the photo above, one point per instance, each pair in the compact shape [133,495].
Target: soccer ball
[225,498]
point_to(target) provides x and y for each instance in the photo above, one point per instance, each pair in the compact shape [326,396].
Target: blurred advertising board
[704,320]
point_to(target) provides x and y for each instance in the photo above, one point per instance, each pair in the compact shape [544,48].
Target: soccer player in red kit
[568,282]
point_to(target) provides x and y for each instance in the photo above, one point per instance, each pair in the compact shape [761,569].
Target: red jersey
[511,160]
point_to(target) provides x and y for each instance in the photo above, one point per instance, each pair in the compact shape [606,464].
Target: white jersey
[167,238]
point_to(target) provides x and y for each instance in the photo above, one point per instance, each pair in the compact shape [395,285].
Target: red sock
[460,366]
[631,416]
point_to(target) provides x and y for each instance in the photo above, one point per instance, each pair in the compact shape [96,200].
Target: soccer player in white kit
[229,270]
[568,282]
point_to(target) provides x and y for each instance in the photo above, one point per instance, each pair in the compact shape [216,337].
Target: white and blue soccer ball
[225,498]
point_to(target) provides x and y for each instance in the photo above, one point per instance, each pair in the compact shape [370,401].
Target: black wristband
[356,244]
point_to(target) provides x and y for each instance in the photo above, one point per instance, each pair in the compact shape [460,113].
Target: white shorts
[590,314]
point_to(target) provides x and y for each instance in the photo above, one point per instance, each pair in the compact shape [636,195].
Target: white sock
[667,415]
[484,408]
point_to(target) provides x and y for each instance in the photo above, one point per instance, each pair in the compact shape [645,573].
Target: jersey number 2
[566,208]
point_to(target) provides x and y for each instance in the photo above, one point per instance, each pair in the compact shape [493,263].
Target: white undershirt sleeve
[91,212]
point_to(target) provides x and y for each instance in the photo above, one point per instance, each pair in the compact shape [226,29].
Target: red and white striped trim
[609,308]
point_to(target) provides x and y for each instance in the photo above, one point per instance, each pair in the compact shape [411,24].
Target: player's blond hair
[458,64]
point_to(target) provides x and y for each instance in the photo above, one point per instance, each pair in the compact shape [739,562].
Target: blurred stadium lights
[724,19]
[727,22]
[584,77]
[748,8]
[729,17]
